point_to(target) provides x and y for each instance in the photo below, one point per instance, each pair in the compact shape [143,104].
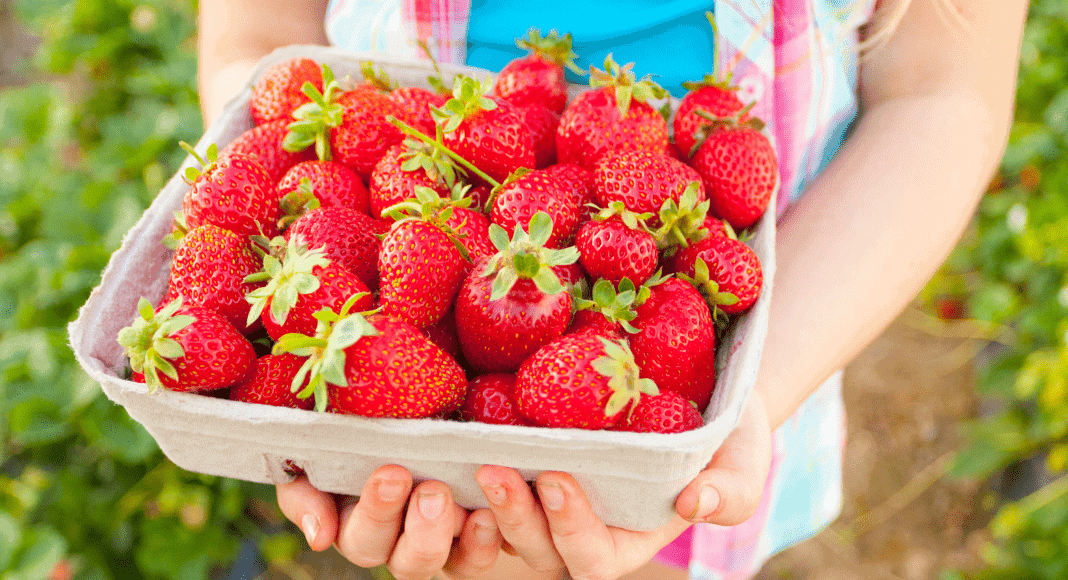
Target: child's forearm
[235,34]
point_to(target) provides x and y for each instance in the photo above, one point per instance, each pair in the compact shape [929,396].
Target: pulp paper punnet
[631,479]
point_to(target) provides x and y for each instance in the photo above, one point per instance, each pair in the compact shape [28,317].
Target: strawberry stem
[437,144]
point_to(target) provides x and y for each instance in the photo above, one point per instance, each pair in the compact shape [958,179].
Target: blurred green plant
[1011,271]
[84,490]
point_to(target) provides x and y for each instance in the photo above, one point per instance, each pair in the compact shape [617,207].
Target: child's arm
[235,34]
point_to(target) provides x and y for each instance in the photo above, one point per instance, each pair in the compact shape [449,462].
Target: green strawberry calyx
[551,47]
[646,289]
[325,352]
[714,123]
[681,223]
[149,344]
[469,98]
[633,220]
[435,163]
[211,157]
[626,87]
[378,79]
[709,289]
[179,229]
[525,256]
[624,376]
[438,145]
[287,278]
[616,306]
[315,119]
[426,206]
[297,203]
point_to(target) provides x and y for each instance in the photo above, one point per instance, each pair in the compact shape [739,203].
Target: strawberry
[345,236]
[422,263]
[716,97]
[271,382]
[726,271]
[675,345]
[581,183]
[209,269]
[333,185]
[405,167]
[614,116]
[185,348]
[513,303]
[264,143]
[607,312]
[491,399]
[519,199]
[668,412]
[277,93]
[615,245]
[739,170]
[582,381]
[302,283]
[233,192]
[643,181]
[542,123]
[415,103]
[538,77]
[443,334]
[490,134]
[375,366]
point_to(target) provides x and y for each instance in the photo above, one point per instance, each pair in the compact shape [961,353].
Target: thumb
[729,490]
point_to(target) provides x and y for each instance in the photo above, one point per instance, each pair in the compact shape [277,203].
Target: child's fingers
[729,490]
[429,527]
[313,511]
[519,517]
[582,539]
[369,528]
[476,551]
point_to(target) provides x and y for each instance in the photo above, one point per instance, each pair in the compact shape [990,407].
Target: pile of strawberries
[489,252]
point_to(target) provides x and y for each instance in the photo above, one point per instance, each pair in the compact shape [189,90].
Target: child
[873,224]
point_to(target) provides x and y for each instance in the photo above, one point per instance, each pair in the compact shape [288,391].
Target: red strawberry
[608,312]
[538,78]
[271,383]
[582,185]
[416,103]
[668,412]
[490,134]
[233,192]
[643,181]
[726,271]
[582,381]
[491,399]
[443,334]
[264,143]
[517,201]
[513,303]
[403,168]
[377,366]
[185,348]
[615,245]
[301,284]
[739,169]
[542,123]
[614,116]
[277,93]
[333,185]
[715,97]
[472,229]
[209,270]
[345,236]
[676,342]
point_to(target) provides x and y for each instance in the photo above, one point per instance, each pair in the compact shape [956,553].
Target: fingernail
[390,491]
[309,524]
[552,496]
[431,505]
[495,494]
[707,502]
[485,534]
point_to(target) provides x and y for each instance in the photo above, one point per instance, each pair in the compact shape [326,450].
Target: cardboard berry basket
[632,479]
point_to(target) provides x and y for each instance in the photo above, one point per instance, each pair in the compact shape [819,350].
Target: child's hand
[413,543]
[559,528]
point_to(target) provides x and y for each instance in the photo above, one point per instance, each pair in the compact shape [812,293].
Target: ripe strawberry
[616,244]
[518,200]
[185,348]
[209,269]
[513,303]
[271,382]
[405,167]
[668,412]
[675,345]
[345,236]
[726,271]
[299,285]
[582,381]
[277,93]
[264,143]
[422,263]
[376,366]
[443,334]
[614,116]
[233,192]
[490,134]
[538,77]
[491,399]
[415,103]
[542,123]
[643,181]
[716,97]
[739,170]
[472,229]
[333,185]
[607,312]
[580,181]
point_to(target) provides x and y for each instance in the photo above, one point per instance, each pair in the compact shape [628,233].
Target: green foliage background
[86,145]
